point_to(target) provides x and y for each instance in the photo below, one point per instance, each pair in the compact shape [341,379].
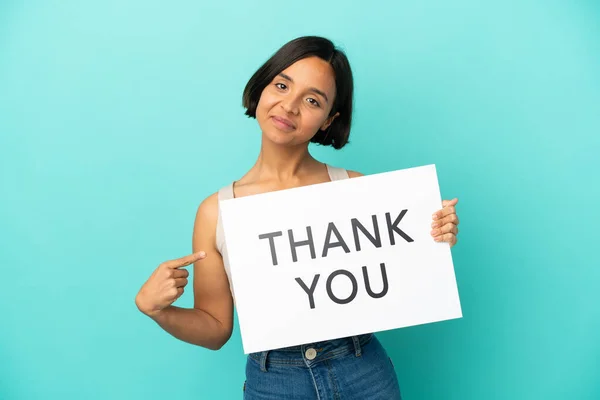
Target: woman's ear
[329,120]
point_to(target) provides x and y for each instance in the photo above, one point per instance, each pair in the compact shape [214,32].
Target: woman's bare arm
[210,322]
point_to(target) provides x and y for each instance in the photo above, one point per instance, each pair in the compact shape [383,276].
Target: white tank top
[226,193]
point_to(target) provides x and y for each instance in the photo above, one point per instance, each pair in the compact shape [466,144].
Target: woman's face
[297,103]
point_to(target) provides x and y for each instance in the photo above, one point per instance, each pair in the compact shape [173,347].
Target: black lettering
[328,245]
[310,291]
[354,286]
[356,225]
[368,285]
[308,242]
[394,228]
[271,237]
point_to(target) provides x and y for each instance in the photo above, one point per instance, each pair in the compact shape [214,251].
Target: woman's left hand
[445,223]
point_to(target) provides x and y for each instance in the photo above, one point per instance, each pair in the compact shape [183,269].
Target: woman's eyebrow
[312,89]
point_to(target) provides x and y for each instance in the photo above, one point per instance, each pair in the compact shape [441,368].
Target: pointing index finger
[185,261]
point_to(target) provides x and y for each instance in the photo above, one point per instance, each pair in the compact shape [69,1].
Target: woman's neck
[282,163]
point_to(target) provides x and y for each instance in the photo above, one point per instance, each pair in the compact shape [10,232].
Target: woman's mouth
[283,124]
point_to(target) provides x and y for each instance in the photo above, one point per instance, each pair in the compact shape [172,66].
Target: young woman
[302,94]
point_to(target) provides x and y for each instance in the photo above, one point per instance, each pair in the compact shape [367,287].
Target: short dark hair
[307,46]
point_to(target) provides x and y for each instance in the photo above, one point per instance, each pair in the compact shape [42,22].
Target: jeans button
[310,354]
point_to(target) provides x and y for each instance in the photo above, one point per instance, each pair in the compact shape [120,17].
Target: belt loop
[263,361]
[356,342]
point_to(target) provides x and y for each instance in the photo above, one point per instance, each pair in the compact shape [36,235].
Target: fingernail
[434,216]
[435,232]
[437,239]
[434,224]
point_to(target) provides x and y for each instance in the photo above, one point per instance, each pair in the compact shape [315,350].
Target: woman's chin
[279,138]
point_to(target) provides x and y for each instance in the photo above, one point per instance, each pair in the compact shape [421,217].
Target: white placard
[316,289]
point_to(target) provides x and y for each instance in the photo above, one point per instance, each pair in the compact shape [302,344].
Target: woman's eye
[281,86]
[313,102]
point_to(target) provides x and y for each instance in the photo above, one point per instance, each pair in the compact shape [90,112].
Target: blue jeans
[351,368]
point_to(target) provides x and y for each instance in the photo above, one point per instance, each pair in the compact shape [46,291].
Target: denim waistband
[325,350]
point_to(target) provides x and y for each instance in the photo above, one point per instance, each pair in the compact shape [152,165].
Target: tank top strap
[336,173]
[225,193]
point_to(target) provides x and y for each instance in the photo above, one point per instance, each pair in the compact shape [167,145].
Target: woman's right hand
[165,285]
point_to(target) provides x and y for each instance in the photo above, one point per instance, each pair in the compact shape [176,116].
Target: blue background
[118,118]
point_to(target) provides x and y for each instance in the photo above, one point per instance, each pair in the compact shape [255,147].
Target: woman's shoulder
[354,174]
[209,206]
[208,211]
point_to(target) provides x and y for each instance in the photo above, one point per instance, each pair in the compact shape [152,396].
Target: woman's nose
[290,106]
